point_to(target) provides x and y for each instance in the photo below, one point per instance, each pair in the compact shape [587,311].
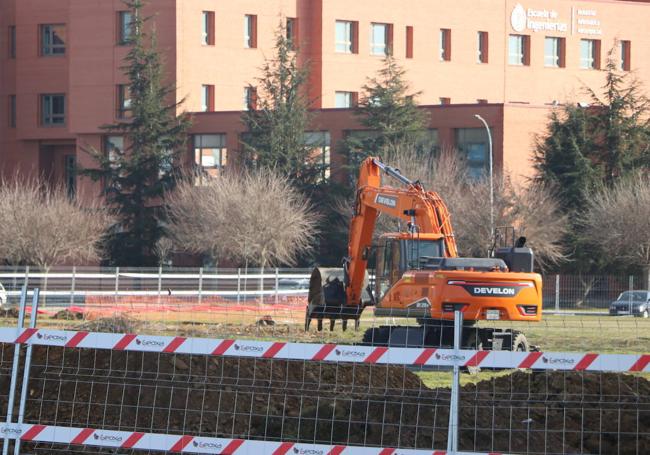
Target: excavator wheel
[519,342]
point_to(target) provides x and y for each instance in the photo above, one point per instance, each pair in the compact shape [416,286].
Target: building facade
[509,61]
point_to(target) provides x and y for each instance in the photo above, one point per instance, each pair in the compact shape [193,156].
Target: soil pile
[563,413]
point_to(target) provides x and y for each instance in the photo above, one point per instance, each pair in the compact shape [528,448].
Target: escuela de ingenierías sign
[583,21]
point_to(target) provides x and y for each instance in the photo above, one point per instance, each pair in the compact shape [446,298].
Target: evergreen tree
[136,178]
[390,112]
[586,148]
[276,125]
[563,157]
[620,123]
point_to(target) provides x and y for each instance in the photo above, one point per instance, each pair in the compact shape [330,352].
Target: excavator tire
[519,342]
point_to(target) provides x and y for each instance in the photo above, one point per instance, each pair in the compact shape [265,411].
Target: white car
[3,296]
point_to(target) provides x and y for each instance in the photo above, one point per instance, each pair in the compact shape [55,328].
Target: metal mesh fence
[509,411]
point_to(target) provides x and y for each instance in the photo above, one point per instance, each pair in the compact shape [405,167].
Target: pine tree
[620,123]
[136,178]
[587,148]
[563,158]
[390,112]
[276,126]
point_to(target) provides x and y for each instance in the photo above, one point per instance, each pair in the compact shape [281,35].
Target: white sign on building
[584,21]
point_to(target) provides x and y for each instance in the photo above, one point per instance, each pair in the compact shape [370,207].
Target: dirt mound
[563,413]
[585,413]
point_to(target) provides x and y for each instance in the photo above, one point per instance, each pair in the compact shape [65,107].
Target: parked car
[636,303]
[3,296]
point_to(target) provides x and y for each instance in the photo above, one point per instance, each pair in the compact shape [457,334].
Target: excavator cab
[401,252]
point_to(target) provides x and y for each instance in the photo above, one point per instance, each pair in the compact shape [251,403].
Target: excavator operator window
[418,252]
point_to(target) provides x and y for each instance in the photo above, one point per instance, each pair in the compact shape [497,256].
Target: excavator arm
[423,211]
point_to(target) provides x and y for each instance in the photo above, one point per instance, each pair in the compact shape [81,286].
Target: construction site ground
[390,406]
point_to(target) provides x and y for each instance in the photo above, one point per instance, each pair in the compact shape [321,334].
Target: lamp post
[487,128]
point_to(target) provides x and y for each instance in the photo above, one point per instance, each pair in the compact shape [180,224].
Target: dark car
[636,303]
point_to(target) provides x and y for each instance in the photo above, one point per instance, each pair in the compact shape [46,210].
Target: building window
[70,169]
[473,144]
[626,55]
[123,101]
[210,153]
[250,31]
[589,54]
[409,42]
[554,52]
[53,38]
[445,100]
[207,35]
[319,143]
[347,39]
[114,149]
[125,25]
[445,44]
[207,98]
[482,101]
[345,99]
[482,47]
[250,98]
[381,39]
[12,111]
[519,50]
[12,41]
[53,110]
[292,33]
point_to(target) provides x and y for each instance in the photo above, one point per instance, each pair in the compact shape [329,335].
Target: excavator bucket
[326,299]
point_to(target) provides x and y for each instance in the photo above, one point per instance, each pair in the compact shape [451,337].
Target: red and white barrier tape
[191,444]
[330,352]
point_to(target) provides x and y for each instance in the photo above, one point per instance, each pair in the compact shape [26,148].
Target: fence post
[452,434]
[117,282]
[15,365]
[159,282]
[238,284]
[26,368]
[557,293]
[200,284]
[277,284]
[26,276]
[631,288]
[72,286]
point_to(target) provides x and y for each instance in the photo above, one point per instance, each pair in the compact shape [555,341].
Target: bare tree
[533,210]
[42,226]
[255,218]
[616,220]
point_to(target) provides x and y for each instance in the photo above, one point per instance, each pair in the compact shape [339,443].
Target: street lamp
[487,128]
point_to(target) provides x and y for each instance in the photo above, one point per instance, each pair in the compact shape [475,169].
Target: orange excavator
[419,275]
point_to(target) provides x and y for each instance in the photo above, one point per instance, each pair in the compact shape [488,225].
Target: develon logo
[388,201]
